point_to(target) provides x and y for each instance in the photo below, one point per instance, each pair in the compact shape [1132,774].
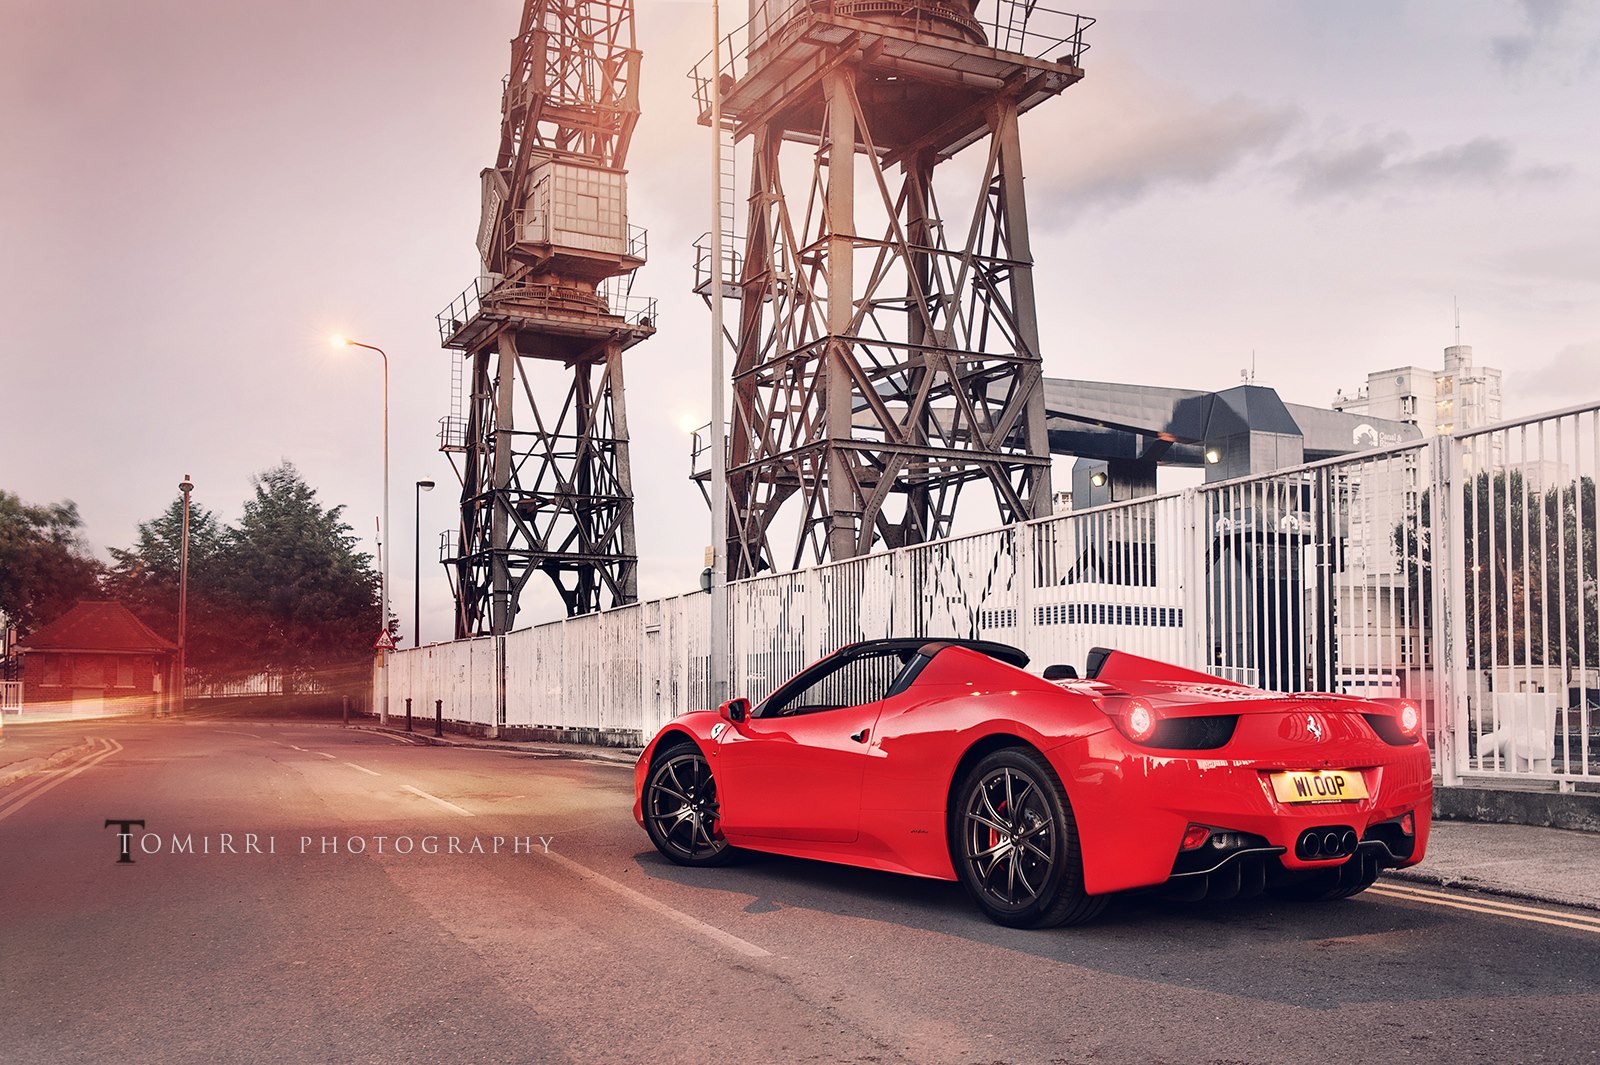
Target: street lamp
[720,643]
[383,594]
[416,576]
[185,486]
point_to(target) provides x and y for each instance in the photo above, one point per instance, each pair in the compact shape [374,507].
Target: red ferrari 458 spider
[946,759]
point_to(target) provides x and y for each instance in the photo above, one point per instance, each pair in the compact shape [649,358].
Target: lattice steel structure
[887,344]
[545,480]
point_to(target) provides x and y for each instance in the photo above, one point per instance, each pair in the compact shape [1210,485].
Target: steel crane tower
[886,352]
[543,438]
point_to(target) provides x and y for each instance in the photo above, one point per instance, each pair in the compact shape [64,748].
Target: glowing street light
[383,595]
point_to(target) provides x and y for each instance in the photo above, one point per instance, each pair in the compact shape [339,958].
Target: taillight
[1137,720]
[1408,824]
[1195,836]
[1410,718]
[1400,725]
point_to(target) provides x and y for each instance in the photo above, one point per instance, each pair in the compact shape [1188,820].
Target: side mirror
[734,709]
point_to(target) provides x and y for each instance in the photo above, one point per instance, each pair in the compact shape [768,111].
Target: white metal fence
[1460,572]
[10,696]
[623,672]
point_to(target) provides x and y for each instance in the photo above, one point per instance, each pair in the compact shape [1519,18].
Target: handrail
[1015,26]
[637,311]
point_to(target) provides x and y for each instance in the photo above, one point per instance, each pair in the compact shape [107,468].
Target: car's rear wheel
[681,808]
[1015,843]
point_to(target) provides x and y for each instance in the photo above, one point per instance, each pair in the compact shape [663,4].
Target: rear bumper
[1132,806]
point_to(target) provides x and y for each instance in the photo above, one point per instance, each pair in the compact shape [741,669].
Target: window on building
[88,671]
[125,671]
[50,671]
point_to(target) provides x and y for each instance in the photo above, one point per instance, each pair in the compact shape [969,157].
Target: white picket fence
[1460,572]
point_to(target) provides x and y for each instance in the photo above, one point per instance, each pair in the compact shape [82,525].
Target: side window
[860,680]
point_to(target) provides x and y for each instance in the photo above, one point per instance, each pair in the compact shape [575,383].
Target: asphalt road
[577,943]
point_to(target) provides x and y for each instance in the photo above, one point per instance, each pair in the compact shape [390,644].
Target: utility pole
[719,678]
[185,486]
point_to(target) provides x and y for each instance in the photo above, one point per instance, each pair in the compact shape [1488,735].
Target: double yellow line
[1494,907]
[12,801]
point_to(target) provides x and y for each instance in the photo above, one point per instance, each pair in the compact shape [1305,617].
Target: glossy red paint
[871,784]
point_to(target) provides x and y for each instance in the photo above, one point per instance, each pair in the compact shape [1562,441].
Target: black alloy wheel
[681,809]
[1015,843]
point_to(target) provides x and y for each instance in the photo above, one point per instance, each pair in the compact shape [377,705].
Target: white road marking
[326,755]
[302,750]
[1494,908]
[363,768]
[434,798]
[33,791]
[727,939]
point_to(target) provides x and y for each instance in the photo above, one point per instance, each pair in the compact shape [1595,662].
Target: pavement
[1515,861]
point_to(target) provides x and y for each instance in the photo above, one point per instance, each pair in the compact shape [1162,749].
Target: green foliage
[145,578]
[284,591]
[44,566]
[312,598]
[1529,591]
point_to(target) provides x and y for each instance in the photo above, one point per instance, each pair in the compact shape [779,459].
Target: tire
[681,809]
[1329,885]
[1014,843]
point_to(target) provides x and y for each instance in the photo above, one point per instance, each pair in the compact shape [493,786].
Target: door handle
[860,737]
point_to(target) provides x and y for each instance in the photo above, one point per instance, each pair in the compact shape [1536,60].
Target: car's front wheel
[1015,843]
[681,808]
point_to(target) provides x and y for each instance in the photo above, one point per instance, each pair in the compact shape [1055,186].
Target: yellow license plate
[1319,785]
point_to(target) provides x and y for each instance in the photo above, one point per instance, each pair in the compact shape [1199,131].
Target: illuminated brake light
[1194,837]
[1410,719]
[1141,721]
[1408,824]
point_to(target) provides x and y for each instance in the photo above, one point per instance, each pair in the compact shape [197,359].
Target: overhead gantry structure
[886,349]
[541,447]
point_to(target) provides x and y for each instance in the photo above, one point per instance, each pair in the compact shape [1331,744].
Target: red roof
[97,625]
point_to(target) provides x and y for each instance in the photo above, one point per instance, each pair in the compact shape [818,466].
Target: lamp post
[383,593]
[416,576]
[185,486]
[719,455]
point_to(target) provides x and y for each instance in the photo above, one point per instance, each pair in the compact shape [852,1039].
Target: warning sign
[384,642]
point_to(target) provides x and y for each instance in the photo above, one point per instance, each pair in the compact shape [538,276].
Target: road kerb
[26,768]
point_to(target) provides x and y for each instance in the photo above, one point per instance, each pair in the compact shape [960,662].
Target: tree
[145,578]
[44,565]
[312,599]
[1529,593]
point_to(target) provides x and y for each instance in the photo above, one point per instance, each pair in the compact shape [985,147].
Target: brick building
[96,658]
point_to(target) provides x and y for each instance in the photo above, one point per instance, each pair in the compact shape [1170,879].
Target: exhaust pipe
[1327,841]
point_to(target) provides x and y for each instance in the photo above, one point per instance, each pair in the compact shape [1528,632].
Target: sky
[195,196]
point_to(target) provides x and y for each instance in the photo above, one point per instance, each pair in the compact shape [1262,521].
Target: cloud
[1386,163]
[1138,137]
[1575,261]
[1574,372]
[1554,39]
[1541,19]
[1185,148]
